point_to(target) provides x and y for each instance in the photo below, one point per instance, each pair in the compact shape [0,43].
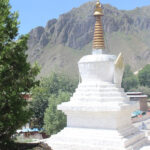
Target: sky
[33,13]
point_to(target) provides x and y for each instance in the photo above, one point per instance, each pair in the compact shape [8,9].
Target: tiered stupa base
[95,139]
[98,118]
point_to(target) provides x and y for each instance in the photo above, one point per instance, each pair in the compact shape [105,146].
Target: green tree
[144,76]
[40,94]
[16,75]
[129,80]
[55,120]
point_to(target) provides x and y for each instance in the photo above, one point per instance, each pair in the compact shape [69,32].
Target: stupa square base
[97,139]
[145,148]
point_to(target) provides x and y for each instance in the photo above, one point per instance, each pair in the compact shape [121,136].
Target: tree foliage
[129,80]
[144,76]
[55,120]
[16,75]
[49,86]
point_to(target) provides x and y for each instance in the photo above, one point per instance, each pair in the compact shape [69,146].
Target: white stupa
[99,112]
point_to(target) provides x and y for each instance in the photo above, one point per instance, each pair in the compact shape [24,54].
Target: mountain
[62,42]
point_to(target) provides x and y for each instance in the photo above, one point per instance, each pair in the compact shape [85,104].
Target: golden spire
[98,41]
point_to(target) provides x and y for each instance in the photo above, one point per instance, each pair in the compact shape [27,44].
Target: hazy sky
[33,13]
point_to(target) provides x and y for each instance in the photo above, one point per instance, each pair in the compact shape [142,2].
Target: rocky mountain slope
[59,45]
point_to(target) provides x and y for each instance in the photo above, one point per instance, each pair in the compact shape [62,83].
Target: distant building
[138,96]
[26,96]
[34,133]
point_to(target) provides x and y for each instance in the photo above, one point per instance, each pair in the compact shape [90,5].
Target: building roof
[136,95]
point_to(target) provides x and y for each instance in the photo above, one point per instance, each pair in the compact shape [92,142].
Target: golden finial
[98,9]
[98,41]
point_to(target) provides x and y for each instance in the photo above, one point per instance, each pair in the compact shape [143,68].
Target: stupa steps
[139,136]
[97,137]
[100,99]
[96,107]
[91,85]
[73,146]
[100,94]
[99,89]
[128,130]
[103,142]
[137,145]
[135,141]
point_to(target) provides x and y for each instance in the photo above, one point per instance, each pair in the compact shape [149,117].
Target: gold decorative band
[98,40]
